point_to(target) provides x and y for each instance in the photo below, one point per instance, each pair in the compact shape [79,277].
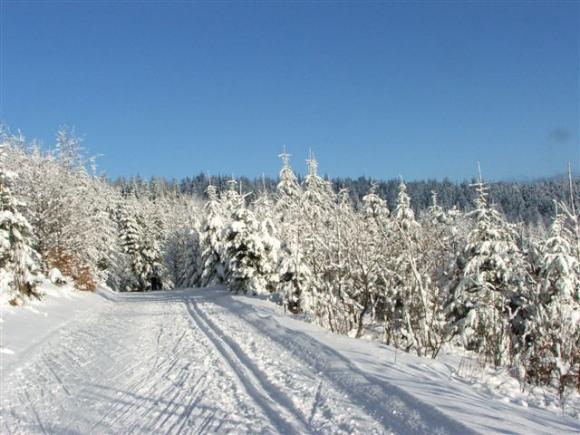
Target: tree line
[530,202]
[415,278]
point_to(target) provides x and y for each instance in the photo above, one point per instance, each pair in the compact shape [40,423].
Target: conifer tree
[249,253]
[443,239]
[268,232]
[150,220]
[490,276]
[375,210]
[19,261]
[139,236]
[192,270]
[180,237]
[288,195]
[375,228]
[213,272]
[294,275]
[412,310]
[554,354]
[317,204]
[130,241]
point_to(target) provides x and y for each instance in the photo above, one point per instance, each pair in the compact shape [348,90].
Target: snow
[24,328]
[55,276]
[204,360]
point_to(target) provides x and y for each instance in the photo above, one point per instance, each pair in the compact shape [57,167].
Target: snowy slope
[23,329]
[194,361]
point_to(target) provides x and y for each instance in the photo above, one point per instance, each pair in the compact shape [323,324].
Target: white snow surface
[207,361]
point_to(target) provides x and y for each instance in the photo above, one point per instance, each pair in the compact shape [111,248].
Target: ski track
[333,386]
[137,367]
[199,361]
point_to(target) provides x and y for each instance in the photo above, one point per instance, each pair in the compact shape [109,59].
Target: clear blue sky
[382,89]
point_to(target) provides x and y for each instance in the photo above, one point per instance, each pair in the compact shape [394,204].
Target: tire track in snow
[273,403]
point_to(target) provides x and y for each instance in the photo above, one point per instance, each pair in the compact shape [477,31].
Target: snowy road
[202,361]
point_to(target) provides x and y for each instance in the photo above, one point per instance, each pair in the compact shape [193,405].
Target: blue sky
[421,89]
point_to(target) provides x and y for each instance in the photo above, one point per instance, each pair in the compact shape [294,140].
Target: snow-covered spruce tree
[438,239]
[288,190]
[317,204]
[375,210]
[129,278]
[391,298]
[246,253]
[175,251]
[155,275]
[413,309]
[213,272]
[490,278]
[19,261]
[444,236]
[182,243]
[104,226]
[121,276]
[232,198]
[139,232]
[374,237]
[192,268]
[553,356]
[263,210]
[294,275]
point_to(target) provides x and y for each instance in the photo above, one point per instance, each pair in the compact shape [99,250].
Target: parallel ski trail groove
[315,402]
[198,361]
[307,350]
[261,391]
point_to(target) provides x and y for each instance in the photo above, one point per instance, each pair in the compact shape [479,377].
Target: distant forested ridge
[529,201]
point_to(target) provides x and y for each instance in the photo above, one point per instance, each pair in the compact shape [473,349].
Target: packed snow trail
[204,361]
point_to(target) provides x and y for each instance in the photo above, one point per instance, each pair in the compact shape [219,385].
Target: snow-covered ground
[203,360]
